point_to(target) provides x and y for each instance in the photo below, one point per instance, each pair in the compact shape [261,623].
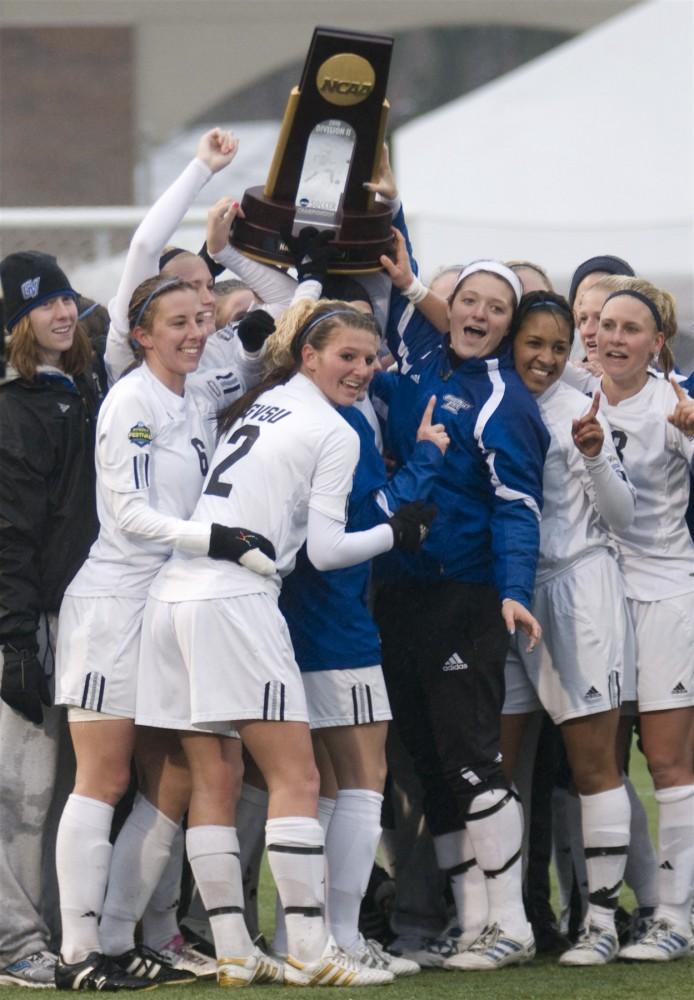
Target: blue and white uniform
[585,663]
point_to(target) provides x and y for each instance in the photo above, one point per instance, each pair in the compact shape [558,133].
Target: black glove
[248,548]
[24,684]
[254,329]
[411,524]
[310,252]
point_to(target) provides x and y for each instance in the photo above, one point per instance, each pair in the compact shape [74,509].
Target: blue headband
[649,303]
[152,295]
[305,330]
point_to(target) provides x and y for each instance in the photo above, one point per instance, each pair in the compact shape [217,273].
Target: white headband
[496,267]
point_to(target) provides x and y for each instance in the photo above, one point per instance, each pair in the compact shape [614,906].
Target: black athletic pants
[444,646]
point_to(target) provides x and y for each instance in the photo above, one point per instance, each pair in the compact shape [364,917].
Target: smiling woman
[580,603]
[48,405]
[218,650]
[154,437]
[445,623]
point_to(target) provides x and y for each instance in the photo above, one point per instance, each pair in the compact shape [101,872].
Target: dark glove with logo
[310,252]
[242,546]
[411,524]
[24,684]
[254,329]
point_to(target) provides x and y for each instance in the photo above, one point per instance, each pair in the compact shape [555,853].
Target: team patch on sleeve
[140,435]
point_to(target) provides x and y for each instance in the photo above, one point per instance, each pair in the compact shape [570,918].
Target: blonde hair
[24,353]
[663,301]
[300,324]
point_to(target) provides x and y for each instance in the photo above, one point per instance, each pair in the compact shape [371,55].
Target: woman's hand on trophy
[384,184]
[219,221]
[217,149]
[399,270]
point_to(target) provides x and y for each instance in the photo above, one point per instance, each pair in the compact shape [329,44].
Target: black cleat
[97,972]
[144,963]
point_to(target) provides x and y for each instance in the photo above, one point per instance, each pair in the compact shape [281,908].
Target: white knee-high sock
[139,857]
[456,858]
[605,820]
[641,871]
[326,808]
[295,850]
[160,919]
[83,857]
[675,854]
[213,852]
[251,813]
[350,848]
[495,826]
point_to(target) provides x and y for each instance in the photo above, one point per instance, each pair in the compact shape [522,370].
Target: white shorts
[346,697]
[217,661]
[98,652]
[664,652]
[584,664]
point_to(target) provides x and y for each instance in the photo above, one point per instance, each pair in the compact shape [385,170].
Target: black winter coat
[48,515]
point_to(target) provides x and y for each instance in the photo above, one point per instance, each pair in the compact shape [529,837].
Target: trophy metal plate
[329,145]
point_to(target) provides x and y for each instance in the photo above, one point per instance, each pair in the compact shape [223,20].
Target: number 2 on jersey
[216,487]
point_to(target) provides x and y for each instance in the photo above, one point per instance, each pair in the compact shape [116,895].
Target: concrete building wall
[191,53]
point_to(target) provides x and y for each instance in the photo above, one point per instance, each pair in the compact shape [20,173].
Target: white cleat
[373,956]
[492,950]
[180,955]
[335,967]
[595,946]
[254,968]
[662,943]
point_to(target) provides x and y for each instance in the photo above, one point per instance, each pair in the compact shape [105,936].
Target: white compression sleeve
[271,285]
[614,496]
[134,516]
[149,239]
[330,547]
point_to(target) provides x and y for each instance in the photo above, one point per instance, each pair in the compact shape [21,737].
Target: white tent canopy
[587,149]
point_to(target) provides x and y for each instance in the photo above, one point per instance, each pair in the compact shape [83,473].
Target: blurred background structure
[550,129]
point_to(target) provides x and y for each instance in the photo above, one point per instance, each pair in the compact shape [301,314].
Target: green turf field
[541,980]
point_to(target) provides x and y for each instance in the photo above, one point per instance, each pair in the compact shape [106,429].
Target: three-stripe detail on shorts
[362,704]
[273,703]
[93,692]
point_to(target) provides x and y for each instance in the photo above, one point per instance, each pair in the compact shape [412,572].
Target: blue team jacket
[489,490]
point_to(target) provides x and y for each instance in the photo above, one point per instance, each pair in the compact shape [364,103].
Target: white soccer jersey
[571,524]
[155,443]
[656,552]
[291,451]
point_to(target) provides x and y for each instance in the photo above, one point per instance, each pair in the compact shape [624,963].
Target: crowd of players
[243,522]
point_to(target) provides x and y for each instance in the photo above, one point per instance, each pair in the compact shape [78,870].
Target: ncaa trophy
[329,145]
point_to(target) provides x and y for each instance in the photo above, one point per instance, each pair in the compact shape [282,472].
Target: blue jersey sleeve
[408,333]
[514,443]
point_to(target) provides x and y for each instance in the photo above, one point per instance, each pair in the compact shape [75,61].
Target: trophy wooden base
[362,238]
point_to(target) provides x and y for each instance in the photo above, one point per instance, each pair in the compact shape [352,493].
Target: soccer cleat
[595,946]
[640,922]
[370,954]
[662,943]
[180,955]
[36,971]
[334,967]
[430,953]
[492,950]
[97,972]
[148,964]
[254,968]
